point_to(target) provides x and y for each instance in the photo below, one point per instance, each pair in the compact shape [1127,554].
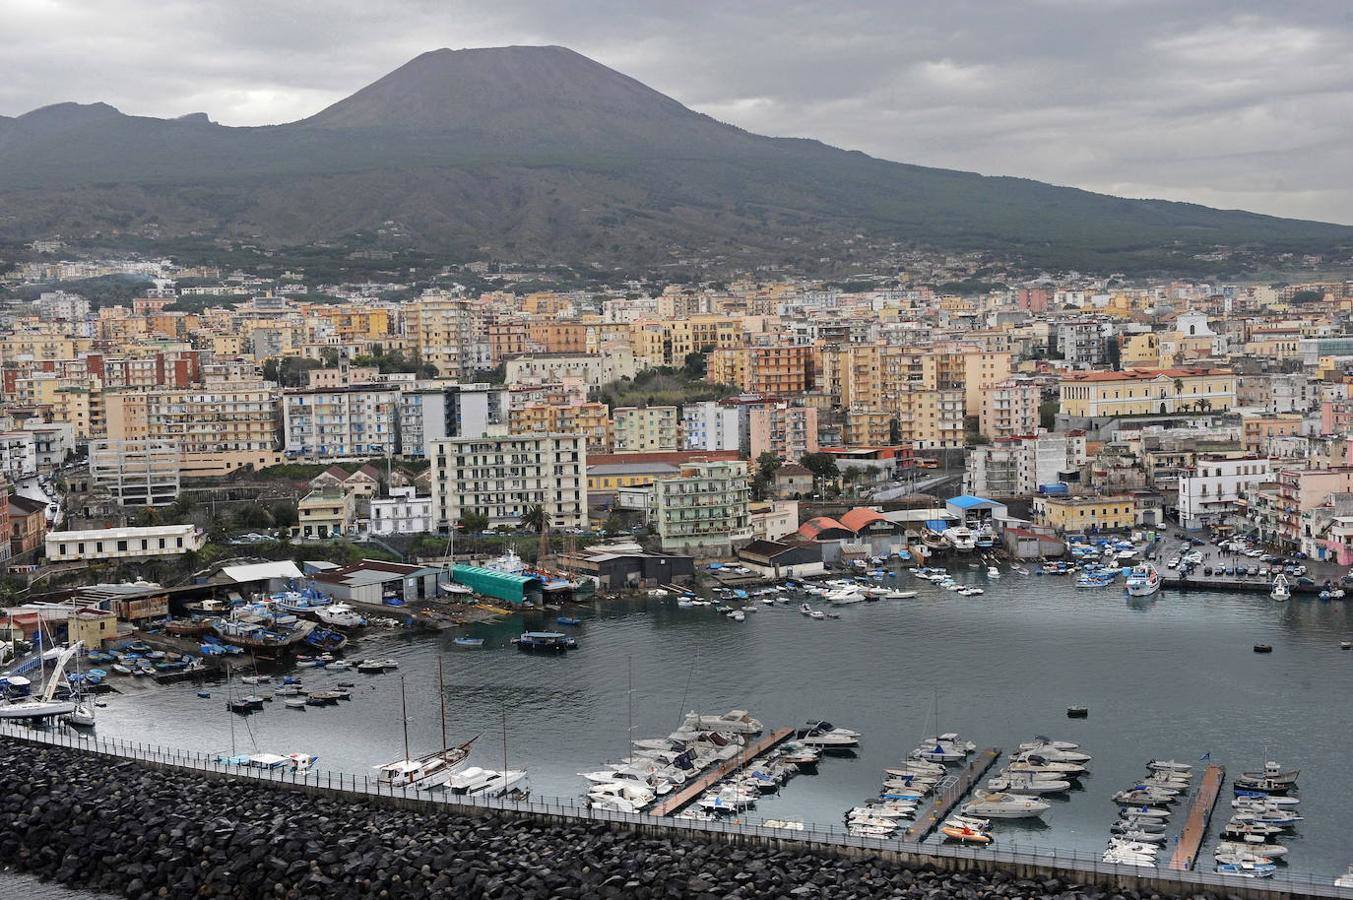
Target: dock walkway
[946,798]
[693,789]
[1200,814]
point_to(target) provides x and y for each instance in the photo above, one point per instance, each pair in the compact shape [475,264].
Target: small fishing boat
[571,621]
[811,613]
[468,642]
[294,702]
[1263,648]
[1280,591]
[964,834]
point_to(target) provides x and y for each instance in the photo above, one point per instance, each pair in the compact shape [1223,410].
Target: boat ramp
[692,790]
[948,792]
[1200,814]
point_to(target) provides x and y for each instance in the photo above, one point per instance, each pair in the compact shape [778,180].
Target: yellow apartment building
[557,416]
[1073,515]
[1140,350]
[646,429]
[1135,392]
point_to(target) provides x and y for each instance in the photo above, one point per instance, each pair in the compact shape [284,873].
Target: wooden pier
[692,790]
[945,798]
[1200,814]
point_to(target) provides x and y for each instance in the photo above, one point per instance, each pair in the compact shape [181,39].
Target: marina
[694,789]
[1006,663]
[949,793]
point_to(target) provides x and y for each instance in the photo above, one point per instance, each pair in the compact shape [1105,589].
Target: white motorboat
[845,596]
[340,615]
[1143,580]
[497,783]
[737,615]
[1036,764]
[635,794]
[1014,784]
[962,538]
[1004,806]
[735,721]
[1141,837]
[1051,752]
[950,739]
[1269,802]
[82,716]
[1041,742]
[826,736]
[1280,591]
[899,595]
[1168,765]
[1345,880]
[1260,849]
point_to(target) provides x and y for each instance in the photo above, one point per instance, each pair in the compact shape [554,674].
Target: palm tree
[534,518]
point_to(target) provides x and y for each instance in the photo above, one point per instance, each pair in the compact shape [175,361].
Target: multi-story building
[780,370]
[591,420]
[503,477]
[325,512]
[710,426]
[785,430]
[929,419]
[450,332]
[868,427]
[1009,408]
[18,455]
[141,472]
[337,423]
[1141,392]
[1256,432]
[1301,490]
[705,511]
[1218,486]
[1019,466]
[646,429]
[1078,515]
[594,369]
[433,410]
[403,512]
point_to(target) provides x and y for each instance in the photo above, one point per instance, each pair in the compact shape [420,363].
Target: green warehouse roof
[493,583]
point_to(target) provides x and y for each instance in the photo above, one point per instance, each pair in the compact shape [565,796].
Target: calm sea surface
[1170,677]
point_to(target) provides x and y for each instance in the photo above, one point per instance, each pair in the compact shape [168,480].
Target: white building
[51,442]
[338,423]
[1015,467]
[18,455]
[1217,486]
[502,477]
[595,369]
[137,472]
[710,426]
[123,543]
[61,305]
[403,512]
[434,410]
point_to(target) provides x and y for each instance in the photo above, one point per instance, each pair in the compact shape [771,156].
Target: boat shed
[976,510]
[376,581]
[621,565]
[775,559]
[509,586]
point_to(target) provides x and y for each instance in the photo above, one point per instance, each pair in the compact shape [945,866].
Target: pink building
[787,431]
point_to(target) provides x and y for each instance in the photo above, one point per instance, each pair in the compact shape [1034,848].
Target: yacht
[735,721]
[427,771]
[1143,580]
[962,539]
[497,783]
[1016,783]
[999,805]
[339,615]
[825,736]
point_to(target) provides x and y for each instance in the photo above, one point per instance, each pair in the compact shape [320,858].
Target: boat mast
[504,744]
[230,712]
[441,696]
[629,699]
[404,716]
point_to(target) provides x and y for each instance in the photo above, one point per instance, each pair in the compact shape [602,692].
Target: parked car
[1173,563]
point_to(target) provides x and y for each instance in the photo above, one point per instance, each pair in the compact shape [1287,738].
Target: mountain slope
[539,153]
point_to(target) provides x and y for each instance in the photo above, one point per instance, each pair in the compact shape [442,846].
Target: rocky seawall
[126,828]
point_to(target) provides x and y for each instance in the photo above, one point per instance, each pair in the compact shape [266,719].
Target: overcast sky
[1233,104]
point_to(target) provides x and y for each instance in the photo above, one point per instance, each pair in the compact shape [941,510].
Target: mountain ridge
[542,154]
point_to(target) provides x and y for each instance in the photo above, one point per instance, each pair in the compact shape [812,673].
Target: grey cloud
[1232,104]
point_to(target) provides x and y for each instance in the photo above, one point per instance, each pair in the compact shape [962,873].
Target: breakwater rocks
[125,828]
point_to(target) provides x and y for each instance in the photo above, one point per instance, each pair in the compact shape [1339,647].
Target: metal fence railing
[1071,861]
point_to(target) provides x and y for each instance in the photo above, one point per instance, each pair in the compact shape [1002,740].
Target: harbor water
[1169,677]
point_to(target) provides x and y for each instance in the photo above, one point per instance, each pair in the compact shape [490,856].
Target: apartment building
[1079,515]
[929,419]
[869,428]
[1140,392]
[206,420]
[140,472]
[782,429]
[1019,466]
[646,429]
[339,423]
[591,420]
[851,374]
[1257,431]
[593,369]
[123,543]
[403,512]
[704,511]
[433,410]
[781,370]
[1009,408]
[18,455]
[710,426]
[1217,487]
[1301,490]
[450,332]
[326,512]
[502,477]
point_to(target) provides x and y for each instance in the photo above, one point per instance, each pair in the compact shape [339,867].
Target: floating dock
[692,790]
[1200,814]
[947,794]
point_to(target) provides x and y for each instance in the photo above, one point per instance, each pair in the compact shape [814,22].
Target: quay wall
[145,822]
